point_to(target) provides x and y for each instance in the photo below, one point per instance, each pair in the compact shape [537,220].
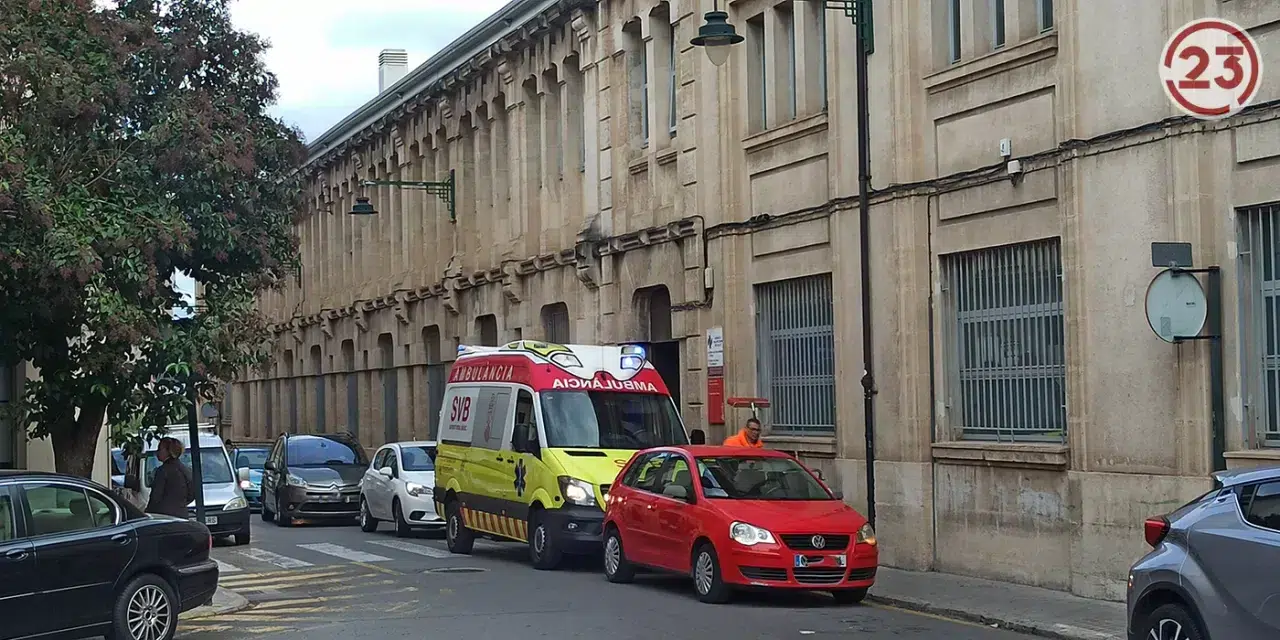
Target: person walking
[172,488]
[748,437]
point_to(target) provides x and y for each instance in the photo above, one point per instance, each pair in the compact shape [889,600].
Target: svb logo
[1211,68]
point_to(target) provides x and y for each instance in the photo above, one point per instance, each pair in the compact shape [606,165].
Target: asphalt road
[337,583]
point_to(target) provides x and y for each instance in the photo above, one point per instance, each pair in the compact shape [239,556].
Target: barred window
[1005,347]
[795,356]
[1260,320]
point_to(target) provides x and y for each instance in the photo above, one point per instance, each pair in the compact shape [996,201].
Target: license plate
[211,520]
[839,561]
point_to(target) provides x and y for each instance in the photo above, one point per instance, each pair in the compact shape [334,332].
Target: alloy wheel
[612,554]
[149,614]
[704,573]
[364,513]
[1167,629]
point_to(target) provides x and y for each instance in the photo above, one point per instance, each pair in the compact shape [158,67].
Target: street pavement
[332,582]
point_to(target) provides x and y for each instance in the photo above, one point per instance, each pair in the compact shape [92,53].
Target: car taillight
[1155,529]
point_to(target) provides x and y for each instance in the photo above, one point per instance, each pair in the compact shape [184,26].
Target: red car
[756,518]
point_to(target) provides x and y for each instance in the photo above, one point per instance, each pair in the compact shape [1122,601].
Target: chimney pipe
[393,64]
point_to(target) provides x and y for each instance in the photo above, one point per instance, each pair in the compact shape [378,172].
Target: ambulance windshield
[610,420]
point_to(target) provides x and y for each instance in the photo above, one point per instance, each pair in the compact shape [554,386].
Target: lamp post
[716,35]
[443,189]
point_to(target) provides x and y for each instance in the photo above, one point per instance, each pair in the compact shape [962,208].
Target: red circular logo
[1210,68]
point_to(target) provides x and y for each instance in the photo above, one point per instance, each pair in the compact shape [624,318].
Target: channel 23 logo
[1211,68]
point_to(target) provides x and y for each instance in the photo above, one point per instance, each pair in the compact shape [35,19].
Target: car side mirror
[385,472]
[243,474]
[526,440]
[818,472]
[269,465]
[837,494]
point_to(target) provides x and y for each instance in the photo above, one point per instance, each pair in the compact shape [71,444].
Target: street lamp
[716,35]
[443,189]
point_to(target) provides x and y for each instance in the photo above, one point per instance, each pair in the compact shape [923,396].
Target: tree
[135,142]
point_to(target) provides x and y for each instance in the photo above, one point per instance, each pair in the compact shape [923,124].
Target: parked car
[312,476]
[1212,569]
[226,510]
[75,561]
[248,463]
[397,488]
[757,518]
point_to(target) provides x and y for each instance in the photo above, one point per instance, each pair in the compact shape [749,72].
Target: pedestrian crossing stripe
[494,524]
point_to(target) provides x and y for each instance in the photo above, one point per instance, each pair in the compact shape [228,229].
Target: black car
[77,561]
[313,477]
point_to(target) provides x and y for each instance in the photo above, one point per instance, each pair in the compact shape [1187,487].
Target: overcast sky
[325,52]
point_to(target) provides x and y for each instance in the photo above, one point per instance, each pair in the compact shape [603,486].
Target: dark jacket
[172,489]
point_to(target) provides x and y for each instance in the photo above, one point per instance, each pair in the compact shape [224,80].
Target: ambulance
[533,434]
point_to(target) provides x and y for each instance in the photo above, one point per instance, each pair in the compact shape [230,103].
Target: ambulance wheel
[457,536]
[543,552]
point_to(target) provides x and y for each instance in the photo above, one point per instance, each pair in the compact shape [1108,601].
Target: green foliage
[135,141]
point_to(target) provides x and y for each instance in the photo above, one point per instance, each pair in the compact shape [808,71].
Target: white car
[397,488]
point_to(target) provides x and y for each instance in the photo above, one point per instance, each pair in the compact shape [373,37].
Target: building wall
[17,451]
[1087,422]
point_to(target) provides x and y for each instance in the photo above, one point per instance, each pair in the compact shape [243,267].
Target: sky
[325,52]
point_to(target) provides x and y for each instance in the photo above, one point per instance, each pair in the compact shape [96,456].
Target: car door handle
[17,554]
[120,538]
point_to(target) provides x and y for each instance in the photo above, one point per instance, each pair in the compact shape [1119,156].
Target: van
[532,436]
[226,511]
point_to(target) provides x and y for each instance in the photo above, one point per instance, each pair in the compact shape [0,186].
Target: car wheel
[242,538]
[707,581]
[402,526]
[616,567]
[543,552]
[368,523]
[1171,622]
[456,534]
[849,596]
[146,609]
[283,518]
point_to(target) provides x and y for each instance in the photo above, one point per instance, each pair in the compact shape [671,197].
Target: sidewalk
[224,601]
[1042,612]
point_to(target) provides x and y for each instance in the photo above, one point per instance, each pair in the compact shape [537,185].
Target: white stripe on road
[409,547]
[226,568]
[284,562]
[340,551]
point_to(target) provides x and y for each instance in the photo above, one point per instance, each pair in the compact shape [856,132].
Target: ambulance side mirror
[526,439]
[697,436]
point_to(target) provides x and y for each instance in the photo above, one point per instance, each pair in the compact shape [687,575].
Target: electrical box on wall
[1006,147]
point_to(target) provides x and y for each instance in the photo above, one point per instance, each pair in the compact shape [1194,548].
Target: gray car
[313,477]
[1212,571]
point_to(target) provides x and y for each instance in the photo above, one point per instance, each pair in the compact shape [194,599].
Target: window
[997,24]
[795,353]
[380,458]
[744,478]
[1006,351]
[353,386]
[757,66]
[524,415]
[251,458]
[490,411]
[953,29]
[555,323]
[214,468]
[671,81]
[1260,315]
[419,458]
[1260,505]
[641,467]
[390,389]
[487,330]
[322,451]
[610,420]
[650,475]
[62,508]
[787,30]
[318,382]
[676,481]
[643,55]
[821,14]
[1044,14]
[8,524]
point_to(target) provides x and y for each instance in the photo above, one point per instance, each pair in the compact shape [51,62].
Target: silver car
[1212,571]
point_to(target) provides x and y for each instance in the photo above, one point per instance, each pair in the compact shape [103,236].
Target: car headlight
[866,535]
[750,535]
[416,490]
[235,503]
[295,481]
[577,492]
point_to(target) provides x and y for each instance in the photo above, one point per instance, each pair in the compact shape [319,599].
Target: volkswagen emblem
[819,542]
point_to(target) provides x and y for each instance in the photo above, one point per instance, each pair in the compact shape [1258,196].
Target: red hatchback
[756,518]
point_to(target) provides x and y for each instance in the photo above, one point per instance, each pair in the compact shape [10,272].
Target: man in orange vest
[748,437]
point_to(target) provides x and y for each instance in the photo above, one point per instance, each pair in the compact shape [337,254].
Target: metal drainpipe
[864,231]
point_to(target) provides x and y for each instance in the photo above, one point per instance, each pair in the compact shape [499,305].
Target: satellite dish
[1176,305]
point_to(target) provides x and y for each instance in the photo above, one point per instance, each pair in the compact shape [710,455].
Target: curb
[1057,631]
[224,601]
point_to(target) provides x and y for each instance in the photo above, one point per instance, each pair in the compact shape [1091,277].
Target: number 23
[1232,64]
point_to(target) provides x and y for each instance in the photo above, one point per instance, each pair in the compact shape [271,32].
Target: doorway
[653,308]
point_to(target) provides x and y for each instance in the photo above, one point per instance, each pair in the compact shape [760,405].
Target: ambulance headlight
[577,492]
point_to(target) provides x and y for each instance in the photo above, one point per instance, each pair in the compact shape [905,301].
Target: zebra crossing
[302,555]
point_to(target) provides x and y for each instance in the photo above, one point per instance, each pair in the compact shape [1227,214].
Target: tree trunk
[75,442]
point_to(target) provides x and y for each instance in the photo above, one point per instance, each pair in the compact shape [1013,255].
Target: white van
[226,510]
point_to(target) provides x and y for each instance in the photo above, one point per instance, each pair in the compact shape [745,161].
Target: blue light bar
[633,350]
[634,363]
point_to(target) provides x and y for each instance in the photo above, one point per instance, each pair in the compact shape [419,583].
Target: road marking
[374,567]
[223,567]
[284,562]
[339,551]
[409,547]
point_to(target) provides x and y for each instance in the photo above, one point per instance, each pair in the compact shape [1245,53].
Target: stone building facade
[614,185]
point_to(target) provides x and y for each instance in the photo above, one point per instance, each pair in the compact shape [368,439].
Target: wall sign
[715,375]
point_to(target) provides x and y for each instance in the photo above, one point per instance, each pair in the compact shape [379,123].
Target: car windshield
[251,458]
[320,451]
[610,420]
[213,465]
[747,478]
[418,458]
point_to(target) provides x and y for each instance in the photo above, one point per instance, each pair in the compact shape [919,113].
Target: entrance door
[436,375]
[665,357]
